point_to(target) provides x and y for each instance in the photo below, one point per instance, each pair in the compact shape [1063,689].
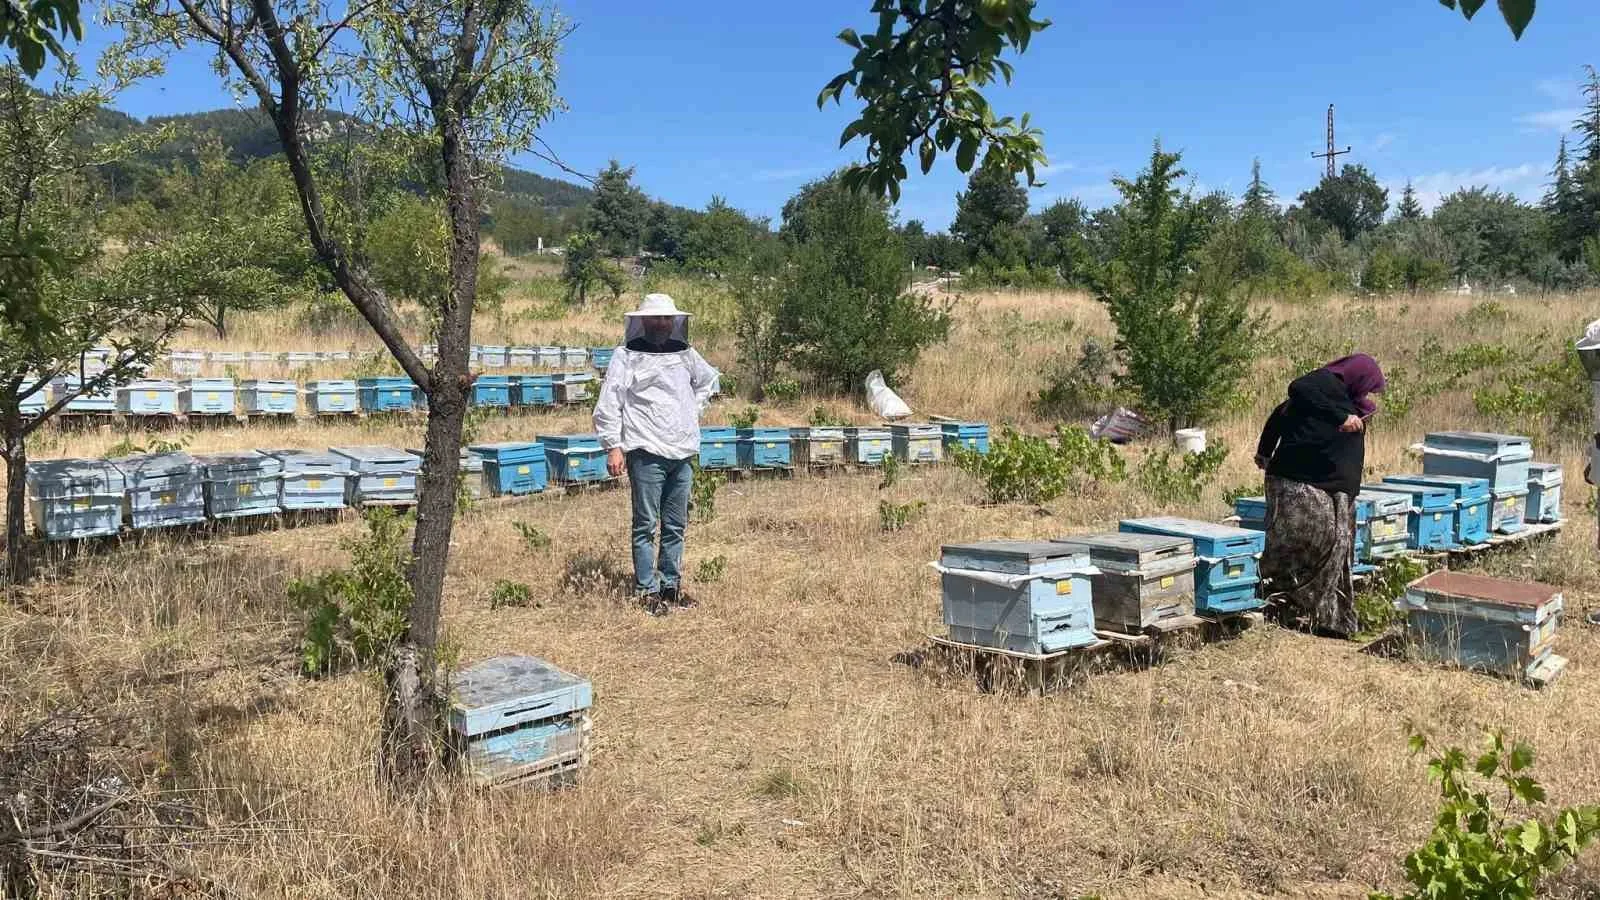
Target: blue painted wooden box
[101,401]
[1226,576]
[1252,513]
[600,357]
[719,448]
[1141,579]
[492,391]
[492,356]
[867,446]
[765,448]
[387,393]
[1433,514]
[1472,502]
[517,718]
[271,397]
[573,387]
[574,458]
[971,435]
[148,397]
[244,483]
[1501,458]
[1482,623]
[1388,526]
[333,397]
[1210,539]
[513,467]
[574,357]
[917,442]
[75,498]
[380,475]
[207,397]
[1025,596]
[1510,513]
[550,357]
[163,489]
[312,479]
[817,446]
[533,390]
[1544,492]
[522,358]
[34,403]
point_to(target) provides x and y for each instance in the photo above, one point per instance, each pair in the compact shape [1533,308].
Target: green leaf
[967,152]
[928,152]
[1469,8]
[1527,790]
[1517,13]
[1521,757]
[850,37]
[1487,764]
[852,131]
[1417,742]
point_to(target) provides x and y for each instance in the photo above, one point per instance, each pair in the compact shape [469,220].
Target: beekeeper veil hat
[648,321]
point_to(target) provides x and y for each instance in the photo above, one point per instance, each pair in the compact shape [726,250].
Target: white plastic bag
[886,403]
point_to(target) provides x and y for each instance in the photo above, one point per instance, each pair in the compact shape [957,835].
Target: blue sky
[718,97]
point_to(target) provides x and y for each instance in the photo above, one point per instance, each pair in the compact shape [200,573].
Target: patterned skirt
[1306,567]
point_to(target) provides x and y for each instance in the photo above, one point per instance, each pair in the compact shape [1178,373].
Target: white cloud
[1382,141]
[1557,88]
[1055,168]
[1525,181]
[1551,119]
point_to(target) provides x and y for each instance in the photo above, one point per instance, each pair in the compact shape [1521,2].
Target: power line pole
[1331,153]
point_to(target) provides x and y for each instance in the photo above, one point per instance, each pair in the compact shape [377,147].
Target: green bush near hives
[356,616]
[1024,469]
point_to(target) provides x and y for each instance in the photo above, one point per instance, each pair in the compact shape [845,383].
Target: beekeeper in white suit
[648,418]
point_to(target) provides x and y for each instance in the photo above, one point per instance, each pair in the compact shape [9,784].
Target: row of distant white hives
[488,356]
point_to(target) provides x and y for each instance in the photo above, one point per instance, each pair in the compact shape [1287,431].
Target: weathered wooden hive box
[1433,514]
[1510,512]
[300,358]
[574,458]
[380,475]
[518,719]
[1024,596]
[1141,579]
[917,442]
[1388,526]
[186,362]
[75,498]
[148,397]
[226,357]
[103,400]
[241,483]
[1472,501]
[269,397]
[333,397]
[972,436]
[163,489]
[574,357]
[492,356]
[471,471]
[261,360]
[533,390]
[1227,576]
[818,445]
[1477,622]
[719,447]
[387,393]
[311,479]
[492,391]
[550,357]
[765,448]
[522,358]
[600,357]
[1544,492]
[513,467]
[866,446]
[573,387]
[207,397]
[1501,458]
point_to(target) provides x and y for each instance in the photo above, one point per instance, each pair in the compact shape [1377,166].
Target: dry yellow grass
[769,744]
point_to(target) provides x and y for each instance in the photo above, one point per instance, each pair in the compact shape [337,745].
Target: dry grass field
[779,741]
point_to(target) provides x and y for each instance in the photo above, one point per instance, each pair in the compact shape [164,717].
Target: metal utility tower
[1331,153]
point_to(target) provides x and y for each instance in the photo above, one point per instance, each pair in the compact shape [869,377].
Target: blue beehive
[764,448]
[239,484]
[522,358]
[387,393]
[533,390]
[1544,492]
[492,391]
[1509,514]
[492,356]
[1472,502]
[600,357]
[971,435]
[1227,576]
[34,403]
[1252,512]
[719,447]
[513,467]
[1501,458]
[75,498]
[1210,539]
[101,401]
[1507,627]
[470,471]
[817,445]
[573,387]
[574,458]
[163,489]
[148,397]
[380,476]
[1387,529]
[917,442]
[333,397]
[518,718]
[1433,514]
[1024,596]
[269,397]
[311,479]
[867,446]
[207,397]
[550,357]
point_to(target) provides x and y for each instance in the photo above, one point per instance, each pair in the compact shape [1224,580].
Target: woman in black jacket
[1313,449]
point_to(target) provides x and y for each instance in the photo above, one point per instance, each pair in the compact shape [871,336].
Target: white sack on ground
[884,402]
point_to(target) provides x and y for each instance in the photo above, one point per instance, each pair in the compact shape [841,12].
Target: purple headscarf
[1361,376]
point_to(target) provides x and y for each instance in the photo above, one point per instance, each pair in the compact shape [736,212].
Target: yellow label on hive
[149,395]
[522,470]
[1235,571]
[211,395]
[1511,502]
[81,503]
[163,499]
[314,483]
[1063,587]
[1167,582]
[247,489]
[770,446]
[574,463]
[717,446]
[390,482]
[1438,517]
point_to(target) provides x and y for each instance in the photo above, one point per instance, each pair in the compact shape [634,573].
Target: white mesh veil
[636,328]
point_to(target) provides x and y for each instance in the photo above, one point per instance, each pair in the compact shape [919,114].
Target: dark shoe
[674,597]
[654,605]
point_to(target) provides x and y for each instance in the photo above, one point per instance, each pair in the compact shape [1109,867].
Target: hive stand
[1014,672]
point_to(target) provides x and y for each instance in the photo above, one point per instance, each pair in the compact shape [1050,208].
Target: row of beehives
[84,498]
[488,356]
[221,397]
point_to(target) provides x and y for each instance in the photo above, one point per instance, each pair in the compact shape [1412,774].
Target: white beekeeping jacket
[653,401]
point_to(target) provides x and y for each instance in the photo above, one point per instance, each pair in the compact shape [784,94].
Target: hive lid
[156,465]
[52,477]
[1032,551]
[1461,586]
[1476,437]
[373,453]
[1129,541]
[508,690]
[238,461]
[1194,527]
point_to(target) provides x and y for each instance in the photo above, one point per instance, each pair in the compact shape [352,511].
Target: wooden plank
[1010,671]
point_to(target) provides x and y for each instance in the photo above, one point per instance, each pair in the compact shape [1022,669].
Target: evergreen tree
[1563,206]
[1409,210]
[988,215]
[619,211]
[1260,202]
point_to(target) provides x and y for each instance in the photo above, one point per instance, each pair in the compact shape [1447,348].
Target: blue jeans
[660,488]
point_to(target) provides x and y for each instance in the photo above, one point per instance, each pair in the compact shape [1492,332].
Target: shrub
[355,616]
[532,537]
[895,516]
[782,390]
[1020,468]
[703,494]
[1231,496]
[745,418]
[711,570]
[510,593]
[1481,848]
[891,471]
[1078,388]
[1550,399]
[1375,610]
[821,419]
[1166,482]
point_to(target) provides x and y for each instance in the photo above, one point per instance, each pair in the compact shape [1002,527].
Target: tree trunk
[222,322]
[414,712]
[16,454]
